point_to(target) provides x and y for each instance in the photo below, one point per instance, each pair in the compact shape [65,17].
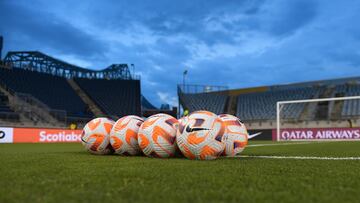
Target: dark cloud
[235,43]
[40,29]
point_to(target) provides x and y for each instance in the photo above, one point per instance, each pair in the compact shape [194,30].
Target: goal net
[335,118]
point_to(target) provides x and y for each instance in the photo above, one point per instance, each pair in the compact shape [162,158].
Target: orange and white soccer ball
[124,135]
[199,137]
[157,136]
[96,136]
[183,119]
[235,137]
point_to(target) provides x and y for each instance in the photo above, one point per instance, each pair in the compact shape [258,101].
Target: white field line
[263,145]
[300,157]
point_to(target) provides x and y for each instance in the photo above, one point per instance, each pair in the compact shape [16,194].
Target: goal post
[327,126]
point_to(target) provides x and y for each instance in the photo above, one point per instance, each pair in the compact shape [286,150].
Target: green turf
[65,173]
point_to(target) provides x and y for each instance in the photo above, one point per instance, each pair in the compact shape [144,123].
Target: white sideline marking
[300,157]
[262,145]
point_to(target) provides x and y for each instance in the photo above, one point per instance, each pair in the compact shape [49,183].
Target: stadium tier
[261,103]
[114,97]
[258,106]
[351,107]
[53,91]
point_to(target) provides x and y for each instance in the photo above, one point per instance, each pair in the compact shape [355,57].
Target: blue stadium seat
[262,106]
[350,107]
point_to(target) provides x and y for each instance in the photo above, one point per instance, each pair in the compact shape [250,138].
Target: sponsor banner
[35,135]
[261,134]
[6,135]
[319,134]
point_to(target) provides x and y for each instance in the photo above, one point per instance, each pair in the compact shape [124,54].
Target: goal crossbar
[279,103]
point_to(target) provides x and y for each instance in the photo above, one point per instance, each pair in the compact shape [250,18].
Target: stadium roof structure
[195,89]
[40,62]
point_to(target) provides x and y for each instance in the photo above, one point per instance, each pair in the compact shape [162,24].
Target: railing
[34,109]
[191,89]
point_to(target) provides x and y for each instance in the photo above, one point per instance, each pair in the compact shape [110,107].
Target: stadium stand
[258,106]
[351,107]
[115,97]
[30,78]
[68,93]
[51,90]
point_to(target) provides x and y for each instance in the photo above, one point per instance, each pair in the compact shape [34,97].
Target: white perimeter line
[262,145]
[301,157]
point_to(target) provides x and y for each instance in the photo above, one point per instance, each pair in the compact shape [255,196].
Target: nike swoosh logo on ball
[82,139]
[189,130]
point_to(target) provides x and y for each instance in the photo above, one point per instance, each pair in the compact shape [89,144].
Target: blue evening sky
[234,43]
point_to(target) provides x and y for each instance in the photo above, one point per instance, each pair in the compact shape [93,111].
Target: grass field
[66,173]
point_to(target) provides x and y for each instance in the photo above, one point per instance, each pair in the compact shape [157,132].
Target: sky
[220,42]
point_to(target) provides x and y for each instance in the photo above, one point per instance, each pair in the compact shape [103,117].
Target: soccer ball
[183,120]
[157,136]
[235,137]
[199,137]
[124,135]
[96,136]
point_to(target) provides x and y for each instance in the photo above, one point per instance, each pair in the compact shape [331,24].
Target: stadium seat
[262,106]
[213,102]
[114,97]
[51,90]
[351,107]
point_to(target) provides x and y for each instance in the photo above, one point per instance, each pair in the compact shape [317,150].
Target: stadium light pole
[133,70]
[184,75]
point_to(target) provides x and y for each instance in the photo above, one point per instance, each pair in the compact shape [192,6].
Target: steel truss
[37,61]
